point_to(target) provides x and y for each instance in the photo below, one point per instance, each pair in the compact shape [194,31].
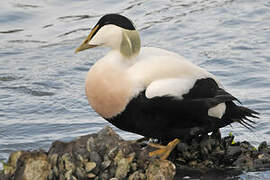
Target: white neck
[116,58]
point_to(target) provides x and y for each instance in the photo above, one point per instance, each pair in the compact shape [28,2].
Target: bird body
[113,81]
[154,92]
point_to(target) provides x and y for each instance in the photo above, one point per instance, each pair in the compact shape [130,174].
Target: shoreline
[105,155]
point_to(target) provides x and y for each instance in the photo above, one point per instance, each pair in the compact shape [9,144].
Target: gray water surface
[42,81]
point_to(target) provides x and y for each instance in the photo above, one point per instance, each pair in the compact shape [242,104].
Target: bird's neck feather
[130,44]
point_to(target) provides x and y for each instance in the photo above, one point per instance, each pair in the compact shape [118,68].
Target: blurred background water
[42,81]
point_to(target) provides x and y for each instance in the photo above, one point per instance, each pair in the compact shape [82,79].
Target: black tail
[241,115]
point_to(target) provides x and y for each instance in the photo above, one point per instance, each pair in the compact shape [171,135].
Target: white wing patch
[175,87]
[217,111]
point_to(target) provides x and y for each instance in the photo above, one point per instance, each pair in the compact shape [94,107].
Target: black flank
[166,117]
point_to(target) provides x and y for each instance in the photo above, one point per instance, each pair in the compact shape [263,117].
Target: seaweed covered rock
[105,155]
[27,165]
[219,156]
[99,156]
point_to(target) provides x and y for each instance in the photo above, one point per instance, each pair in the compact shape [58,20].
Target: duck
[154,92]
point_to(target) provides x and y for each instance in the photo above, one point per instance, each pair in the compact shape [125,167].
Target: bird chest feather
[107,89]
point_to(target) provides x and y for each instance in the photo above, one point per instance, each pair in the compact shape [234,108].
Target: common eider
[154,92]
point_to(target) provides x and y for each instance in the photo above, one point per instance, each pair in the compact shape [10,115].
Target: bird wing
[196,93]
[175,87]
[185,88]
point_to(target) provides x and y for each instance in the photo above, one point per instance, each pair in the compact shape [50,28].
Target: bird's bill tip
[85,45]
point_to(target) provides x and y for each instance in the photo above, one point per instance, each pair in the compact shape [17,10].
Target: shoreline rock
[105,155]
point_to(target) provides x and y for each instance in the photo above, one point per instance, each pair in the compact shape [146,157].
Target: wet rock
[91,175]
[123,166]
[208,163]
[10,166]
[180,161]
[69,176]
[192,163]
[104,155]
[89,166]
[160,169]
[4,176]
[33,165]
[207,145]
[104,175]
[182,147]
[80,173]
[244,162]
[67,159]
[232,153]
[263,147]
[137,175]
[95,157]
[105,164]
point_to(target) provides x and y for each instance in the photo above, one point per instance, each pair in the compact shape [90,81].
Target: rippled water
[42,81]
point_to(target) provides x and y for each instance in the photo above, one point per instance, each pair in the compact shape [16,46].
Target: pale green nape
[131,43]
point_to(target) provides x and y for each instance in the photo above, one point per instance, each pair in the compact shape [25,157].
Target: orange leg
[163,152]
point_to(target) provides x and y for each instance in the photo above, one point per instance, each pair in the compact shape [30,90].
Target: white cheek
[108,35]
[98,38]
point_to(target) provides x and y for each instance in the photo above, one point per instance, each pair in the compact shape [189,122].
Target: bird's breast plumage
[107,89]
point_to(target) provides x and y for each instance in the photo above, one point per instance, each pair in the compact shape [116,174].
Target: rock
[134,166]
[53,159]
[95,157]
[91,175]
[33,165]
[137,175]
[182,147]
[192,163]
[10,166]
[80,173]
[263,147]
[69,176]
[105,164]
[90,144]
[244,162]
[233,152]
[69,165]
[264,157]
[123,165]
[160,169]
[208,163]
[4,177]
[104,175]
[89,166]
[104,155]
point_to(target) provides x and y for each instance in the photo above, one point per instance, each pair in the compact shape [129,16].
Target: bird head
[114,31]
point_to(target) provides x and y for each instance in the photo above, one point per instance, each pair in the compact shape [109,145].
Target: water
[42,81]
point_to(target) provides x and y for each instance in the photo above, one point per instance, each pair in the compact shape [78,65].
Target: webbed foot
[163,152]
